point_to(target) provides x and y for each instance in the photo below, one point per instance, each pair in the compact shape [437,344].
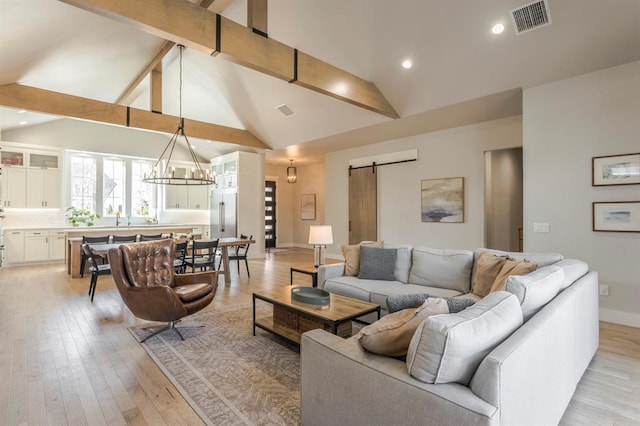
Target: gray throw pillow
[407,301]
[377,263]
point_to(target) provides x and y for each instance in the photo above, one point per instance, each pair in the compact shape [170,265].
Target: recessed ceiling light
[407,64]
[22,111]
[22,123]
[497,28]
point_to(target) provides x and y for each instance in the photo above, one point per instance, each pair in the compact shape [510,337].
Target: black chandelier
[164,173]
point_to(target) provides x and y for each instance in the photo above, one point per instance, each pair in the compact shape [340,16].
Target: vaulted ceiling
[459,67]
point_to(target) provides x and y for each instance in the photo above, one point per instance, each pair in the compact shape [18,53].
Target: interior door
[269,214]
[363,205]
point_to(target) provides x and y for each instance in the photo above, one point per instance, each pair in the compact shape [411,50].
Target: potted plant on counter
[76,216]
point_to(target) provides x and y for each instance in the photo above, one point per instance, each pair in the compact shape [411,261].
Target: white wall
[448,153]
[566,123]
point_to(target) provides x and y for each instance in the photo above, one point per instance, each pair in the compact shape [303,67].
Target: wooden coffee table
[291,318]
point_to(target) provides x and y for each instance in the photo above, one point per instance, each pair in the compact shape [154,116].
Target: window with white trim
[114,185]
[83,183]
[141,192]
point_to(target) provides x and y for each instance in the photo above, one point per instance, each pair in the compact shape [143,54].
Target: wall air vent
[285,110]
[531,16]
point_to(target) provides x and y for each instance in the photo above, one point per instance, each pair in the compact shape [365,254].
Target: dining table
[223,244]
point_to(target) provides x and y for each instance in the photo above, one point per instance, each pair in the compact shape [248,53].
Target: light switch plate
[540,227]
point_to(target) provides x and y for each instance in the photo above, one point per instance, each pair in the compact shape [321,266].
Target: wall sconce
[320,236]
[292,173]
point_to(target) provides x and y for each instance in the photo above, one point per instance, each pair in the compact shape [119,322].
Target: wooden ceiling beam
[128,96]
[14,95]
[257,18]
[193,26]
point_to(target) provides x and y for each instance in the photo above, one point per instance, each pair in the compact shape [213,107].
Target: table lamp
[319,236]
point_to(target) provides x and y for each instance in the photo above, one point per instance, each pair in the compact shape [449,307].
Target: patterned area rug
[229,376]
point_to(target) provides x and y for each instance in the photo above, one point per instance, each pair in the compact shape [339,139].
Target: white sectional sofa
[528,378]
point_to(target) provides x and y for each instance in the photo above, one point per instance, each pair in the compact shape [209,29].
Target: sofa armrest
[342,384]
[326,272]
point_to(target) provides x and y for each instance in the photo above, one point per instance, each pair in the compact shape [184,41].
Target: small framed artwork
[616,170]
[308,207]
[442,200]
[616,216]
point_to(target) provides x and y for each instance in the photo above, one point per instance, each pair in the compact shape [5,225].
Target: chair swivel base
[172,325]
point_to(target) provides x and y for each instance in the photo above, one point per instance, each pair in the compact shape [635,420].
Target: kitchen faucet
[117,219]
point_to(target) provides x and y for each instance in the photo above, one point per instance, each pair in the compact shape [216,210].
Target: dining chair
[203,255]
[92,240]
[96,268]
[240,253]
[124,238]
[179,258]
[151,237]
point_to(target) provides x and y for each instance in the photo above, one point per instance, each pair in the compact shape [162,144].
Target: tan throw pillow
[391,335]
[352,256]
[487,269]
[512,267]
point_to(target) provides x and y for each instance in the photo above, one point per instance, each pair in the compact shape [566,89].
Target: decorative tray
[311,295]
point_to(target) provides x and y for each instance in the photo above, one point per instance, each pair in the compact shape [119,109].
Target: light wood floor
[64,360]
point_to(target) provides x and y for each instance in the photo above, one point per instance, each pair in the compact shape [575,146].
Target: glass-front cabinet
[226,171]
[10,157]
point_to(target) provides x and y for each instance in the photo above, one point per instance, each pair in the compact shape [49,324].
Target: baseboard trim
[620,317]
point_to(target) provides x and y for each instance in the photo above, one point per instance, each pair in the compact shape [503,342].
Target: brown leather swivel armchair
[145,277]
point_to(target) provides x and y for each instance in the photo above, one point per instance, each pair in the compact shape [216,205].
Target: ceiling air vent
[531,16]
[285,110]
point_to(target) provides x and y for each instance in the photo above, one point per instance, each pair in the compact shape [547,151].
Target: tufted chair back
[149,264]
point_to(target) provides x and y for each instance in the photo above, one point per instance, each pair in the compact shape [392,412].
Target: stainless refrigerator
[224,217]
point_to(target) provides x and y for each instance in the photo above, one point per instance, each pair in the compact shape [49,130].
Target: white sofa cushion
[442,268]
[359,288]
[536,289]
[573,269]
[403,261]
[449,348]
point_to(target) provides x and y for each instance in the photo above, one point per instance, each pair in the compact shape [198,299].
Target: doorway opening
[503,199]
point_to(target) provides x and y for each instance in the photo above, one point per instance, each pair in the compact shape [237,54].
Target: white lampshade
[320,235]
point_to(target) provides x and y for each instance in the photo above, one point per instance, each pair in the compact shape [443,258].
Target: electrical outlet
[604,290]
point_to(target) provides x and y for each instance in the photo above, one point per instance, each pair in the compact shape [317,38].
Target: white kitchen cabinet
[192,197]
[14,187]
[198,197]
[36,246]
[43,188]
[226,168]
[176,197]
[56,245]
[30,178]
[14,246]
